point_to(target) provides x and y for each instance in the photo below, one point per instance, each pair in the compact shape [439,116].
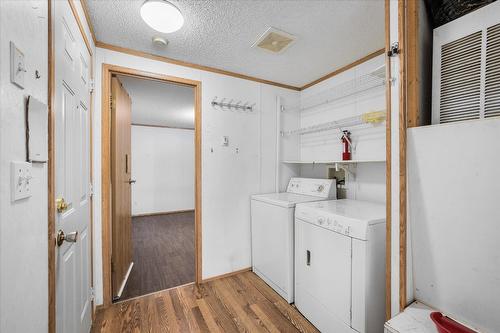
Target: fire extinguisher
[346,142]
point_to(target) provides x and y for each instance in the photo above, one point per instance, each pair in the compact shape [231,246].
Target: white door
[323,277]
[72,173]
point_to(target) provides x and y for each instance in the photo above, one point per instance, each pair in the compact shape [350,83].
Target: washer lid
[284,199]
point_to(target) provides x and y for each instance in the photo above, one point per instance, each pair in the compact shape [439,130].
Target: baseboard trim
[226,275]
[164,213]
[98,308]
[125,279]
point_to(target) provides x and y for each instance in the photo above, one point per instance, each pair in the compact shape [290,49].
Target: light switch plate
[20,180]
[17,66]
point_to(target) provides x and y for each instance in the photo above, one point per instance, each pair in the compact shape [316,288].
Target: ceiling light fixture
[162,15]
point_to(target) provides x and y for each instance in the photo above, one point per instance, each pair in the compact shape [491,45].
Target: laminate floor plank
[237,303]
[163,253]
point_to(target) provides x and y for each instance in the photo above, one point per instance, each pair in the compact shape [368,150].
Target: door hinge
[91,189]
[393,49]
[92,294]
[91,86]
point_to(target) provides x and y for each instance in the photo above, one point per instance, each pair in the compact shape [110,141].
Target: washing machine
[272,217]
[340,265]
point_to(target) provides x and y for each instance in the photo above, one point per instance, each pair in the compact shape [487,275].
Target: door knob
[61,205]
[131,181]
[70,237]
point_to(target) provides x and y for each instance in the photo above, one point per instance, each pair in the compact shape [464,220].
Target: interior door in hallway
[72,173]
[121,250]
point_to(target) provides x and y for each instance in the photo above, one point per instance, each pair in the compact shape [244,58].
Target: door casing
[107,71]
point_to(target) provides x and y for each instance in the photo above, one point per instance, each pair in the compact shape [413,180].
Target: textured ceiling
[160,103]
[220,33]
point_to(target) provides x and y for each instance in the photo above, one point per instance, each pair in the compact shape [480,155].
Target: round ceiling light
[162,16]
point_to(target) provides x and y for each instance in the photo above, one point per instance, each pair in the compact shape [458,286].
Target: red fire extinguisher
[346,142]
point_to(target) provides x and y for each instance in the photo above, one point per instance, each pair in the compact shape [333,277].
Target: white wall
[23,224]
[369,140]
[163,166]
[454,186]
[229,177]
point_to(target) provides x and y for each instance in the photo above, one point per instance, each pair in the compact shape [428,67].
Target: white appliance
[272,230]
[340,265]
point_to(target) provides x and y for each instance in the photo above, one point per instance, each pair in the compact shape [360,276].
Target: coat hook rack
[231,105]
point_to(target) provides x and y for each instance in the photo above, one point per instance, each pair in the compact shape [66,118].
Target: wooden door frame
[51,178]
[107,71]
[388,181]
[407,39]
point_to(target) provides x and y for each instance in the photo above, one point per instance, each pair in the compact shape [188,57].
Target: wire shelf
[364,83]
[365,118]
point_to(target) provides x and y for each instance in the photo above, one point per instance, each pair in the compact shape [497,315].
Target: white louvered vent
[466,67]
[492,84]
[460,79]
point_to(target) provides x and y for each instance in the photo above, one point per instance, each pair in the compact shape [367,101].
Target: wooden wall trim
[388,158]
[217,277]
[107,71]
[80,26]
[190,65]
[402,35]
[106,185]
[412,60]
[229,73]
[51,174]
[87,18]
[198,184]
[344,68]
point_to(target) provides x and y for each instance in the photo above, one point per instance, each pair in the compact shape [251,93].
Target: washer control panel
[322,188]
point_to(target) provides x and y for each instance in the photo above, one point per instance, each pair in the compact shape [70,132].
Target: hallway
[163,253]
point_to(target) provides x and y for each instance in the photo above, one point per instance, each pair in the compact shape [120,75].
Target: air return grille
[460,79]
[492,84]
[466,67]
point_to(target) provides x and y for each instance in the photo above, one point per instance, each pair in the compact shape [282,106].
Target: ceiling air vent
[274,40]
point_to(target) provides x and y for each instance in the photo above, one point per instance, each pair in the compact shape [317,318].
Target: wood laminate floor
[238,303]
[163,253]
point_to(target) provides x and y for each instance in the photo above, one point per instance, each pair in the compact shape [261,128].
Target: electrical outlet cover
[20,180]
